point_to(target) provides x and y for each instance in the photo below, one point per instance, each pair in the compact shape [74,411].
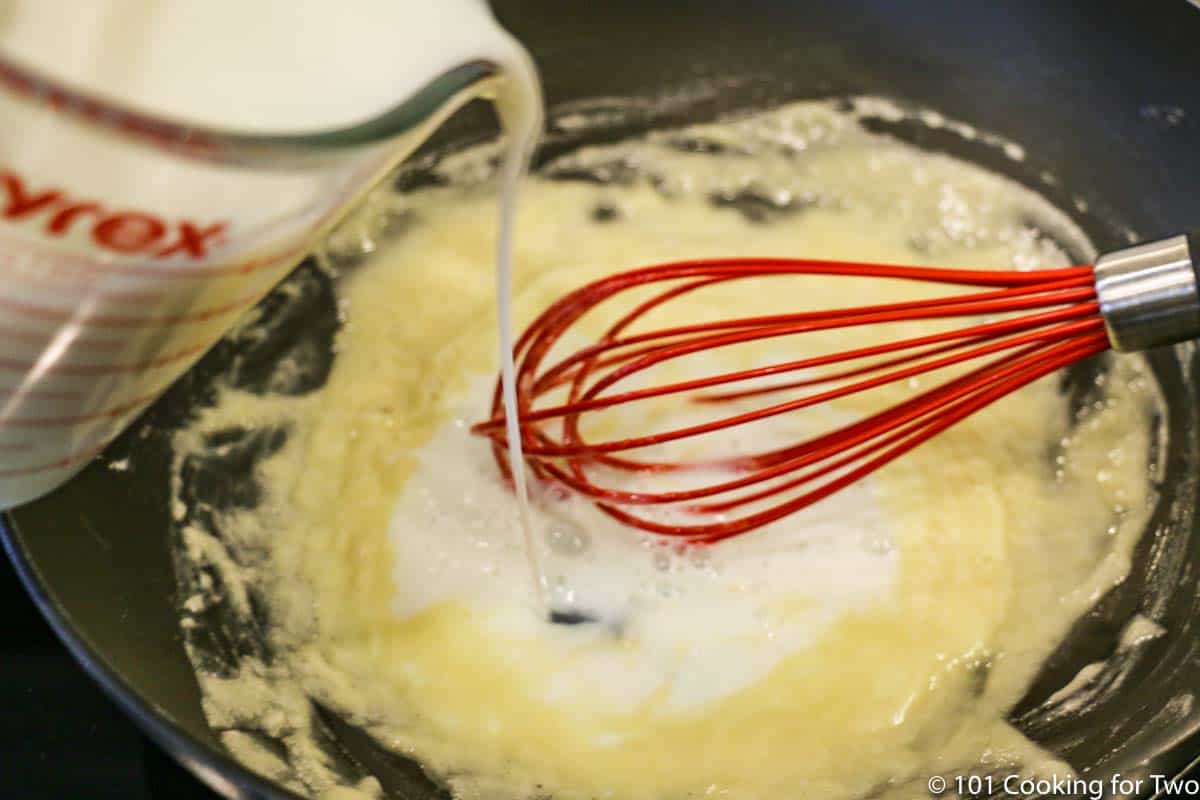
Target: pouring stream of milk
[519,106]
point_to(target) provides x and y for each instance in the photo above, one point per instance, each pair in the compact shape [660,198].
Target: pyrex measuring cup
[130,242]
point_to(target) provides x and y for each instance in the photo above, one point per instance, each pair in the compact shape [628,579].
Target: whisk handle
[1150,294]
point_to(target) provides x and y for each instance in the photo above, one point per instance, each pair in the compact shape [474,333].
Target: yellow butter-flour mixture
[851,650]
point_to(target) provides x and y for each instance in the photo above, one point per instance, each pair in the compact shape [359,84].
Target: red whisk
[1132,299]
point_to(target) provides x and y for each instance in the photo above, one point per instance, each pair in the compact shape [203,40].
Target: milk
[260,66]
[120,264]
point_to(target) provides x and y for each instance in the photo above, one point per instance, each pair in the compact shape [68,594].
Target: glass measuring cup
[129,243]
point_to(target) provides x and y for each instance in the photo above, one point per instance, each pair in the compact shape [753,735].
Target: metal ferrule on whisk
[1150,294]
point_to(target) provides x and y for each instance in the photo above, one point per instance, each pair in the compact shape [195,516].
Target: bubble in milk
[567,537]
[549,495]
[561,591]
[878,543]
[661,561]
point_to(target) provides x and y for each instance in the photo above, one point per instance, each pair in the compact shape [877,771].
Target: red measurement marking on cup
[9,333]
[75,419]
[44,339]
[76,269]
[210,271]
[57,464]
[62,315]
[159,133]
[140,297]
[40,394]
[146,296]
[83,285]
[84,288]
[96,370]
[76,286]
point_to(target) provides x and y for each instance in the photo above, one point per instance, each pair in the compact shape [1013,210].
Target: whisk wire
[1063,325]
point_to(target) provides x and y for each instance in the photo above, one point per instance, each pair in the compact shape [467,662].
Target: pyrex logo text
[125,232]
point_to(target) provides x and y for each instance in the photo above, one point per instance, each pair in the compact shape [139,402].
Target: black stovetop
[61,738]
